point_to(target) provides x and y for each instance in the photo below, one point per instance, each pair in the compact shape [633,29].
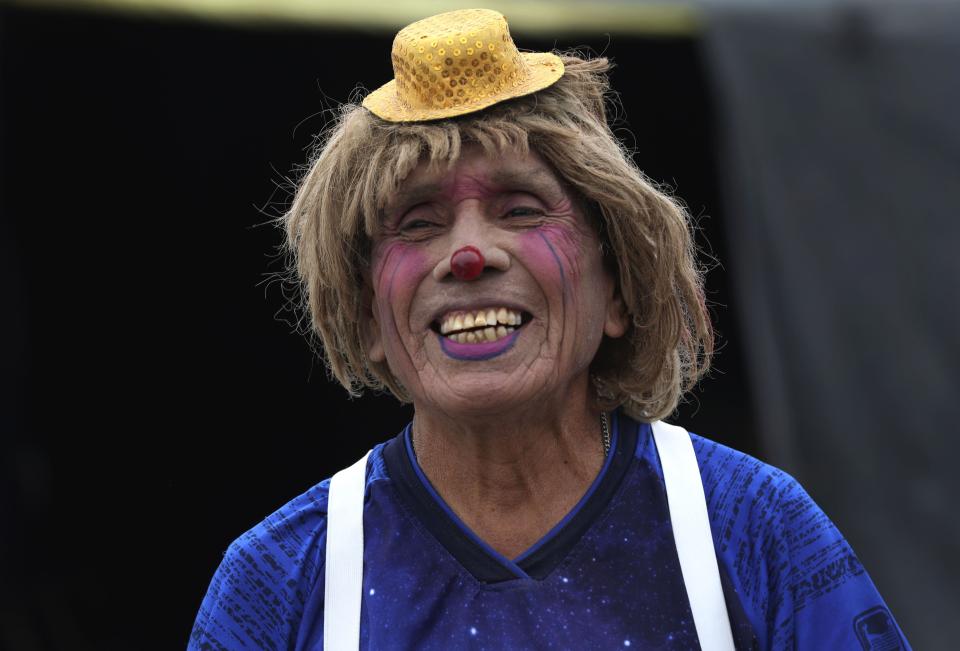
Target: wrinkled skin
[542,257]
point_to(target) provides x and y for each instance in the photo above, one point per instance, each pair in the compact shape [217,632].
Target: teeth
[489,333]
[455,324]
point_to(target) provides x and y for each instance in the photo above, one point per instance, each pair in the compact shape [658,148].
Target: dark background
[156,399]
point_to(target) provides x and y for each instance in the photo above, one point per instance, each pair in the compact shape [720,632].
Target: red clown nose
[467,263]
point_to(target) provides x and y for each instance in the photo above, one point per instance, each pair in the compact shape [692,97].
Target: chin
[477,397]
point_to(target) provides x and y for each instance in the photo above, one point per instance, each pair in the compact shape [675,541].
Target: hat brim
[543,68]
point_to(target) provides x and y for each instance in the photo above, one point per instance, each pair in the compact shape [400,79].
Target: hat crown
[455,59]
[456,63]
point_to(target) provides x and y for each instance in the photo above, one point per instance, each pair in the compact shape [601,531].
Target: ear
[370,328]
[616,320]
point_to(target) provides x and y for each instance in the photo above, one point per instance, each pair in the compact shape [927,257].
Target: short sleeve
[267,578]
[827,600]
[799,583]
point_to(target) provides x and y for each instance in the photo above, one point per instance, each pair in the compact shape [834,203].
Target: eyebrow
[410,196]
[540,179]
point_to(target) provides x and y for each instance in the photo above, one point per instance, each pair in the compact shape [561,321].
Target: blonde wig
[361,161]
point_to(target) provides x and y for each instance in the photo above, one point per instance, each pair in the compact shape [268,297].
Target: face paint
[467,263]
[553,249]
[478,352]
[485,234]
[397,271]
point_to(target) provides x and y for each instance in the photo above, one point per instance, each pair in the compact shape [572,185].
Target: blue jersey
[607,576]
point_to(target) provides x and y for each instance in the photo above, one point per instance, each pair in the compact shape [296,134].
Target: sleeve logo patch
[876,630]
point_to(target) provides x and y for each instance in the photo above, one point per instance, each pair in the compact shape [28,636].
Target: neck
[513,476]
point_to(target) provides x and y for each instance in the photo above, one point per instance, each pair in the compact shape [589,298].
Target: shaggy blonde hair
[361,161]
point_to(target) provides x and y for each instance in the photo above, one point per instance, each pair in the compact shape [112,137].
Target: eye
[524,211]
[416,225]
[416,229]
[417,219]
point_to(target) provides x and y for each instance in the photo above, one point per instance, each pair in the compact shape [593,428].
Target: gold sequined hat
[455,63]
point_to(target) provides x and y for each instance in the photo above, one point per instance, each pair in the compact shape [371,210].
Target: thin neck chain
[605,430]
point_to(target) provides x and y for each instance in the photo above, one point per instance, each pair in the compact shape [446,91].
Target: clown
[475,240]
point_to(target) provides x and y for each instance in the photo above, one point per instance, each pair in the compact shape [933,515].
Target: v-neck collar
[482,561]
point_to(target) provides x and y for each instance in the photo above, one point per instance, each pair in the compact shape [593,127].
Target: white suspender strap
[343,580]
[691,531]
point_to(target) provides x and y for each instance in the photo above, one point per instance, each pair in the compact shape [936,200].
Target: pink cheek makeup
[400,268]
[542,249]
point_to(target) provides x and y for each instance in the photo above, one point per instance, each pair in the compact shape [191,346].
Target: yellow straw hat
[456,63]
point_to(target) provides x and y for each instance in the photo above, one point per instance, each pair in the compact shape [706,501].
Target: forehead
[476,171]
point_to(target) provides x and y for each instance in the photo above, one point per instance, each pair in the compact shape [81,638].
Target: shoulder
[741,488]
[288,540]
[738,487]
[257,593]
[269,574]
[754,504]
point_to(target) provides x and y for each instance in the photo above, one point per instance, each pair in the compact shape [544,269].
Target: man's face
[544,284]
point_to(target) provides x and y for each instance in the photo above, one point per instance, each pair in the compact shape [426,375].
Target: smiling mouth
[480,326]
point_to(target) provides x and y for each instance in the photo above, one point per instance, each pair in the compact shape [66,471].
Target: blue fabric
[790,579]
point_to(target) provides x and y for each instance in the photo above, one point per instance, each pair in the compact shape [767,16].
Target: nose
[472,250]
[467,263]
